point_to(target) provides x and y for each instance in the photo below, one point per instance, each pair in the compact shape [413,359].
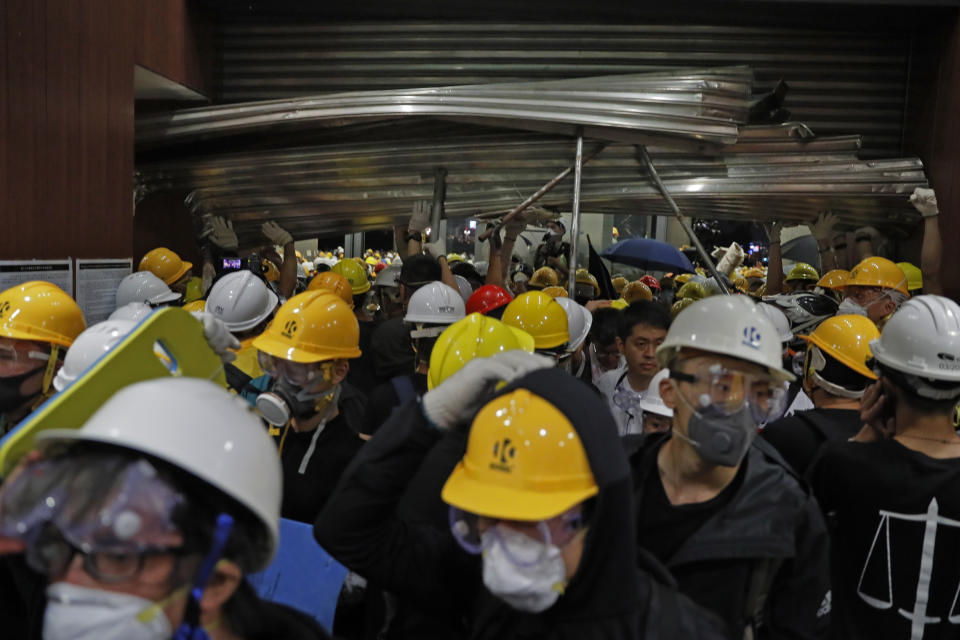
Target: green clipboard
[168,342]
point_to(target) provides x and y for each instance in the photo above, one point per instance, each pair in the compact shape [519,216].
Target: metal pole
[439,195]
[704,256]
[575,219]
[542,191]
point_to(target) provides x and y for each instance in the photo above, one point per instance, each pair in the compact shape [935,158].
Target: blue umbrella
[646,253]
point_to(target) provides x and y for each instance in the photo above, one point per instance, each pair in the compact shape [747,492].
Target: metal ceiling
[374,175]
[698,105]
[847,76]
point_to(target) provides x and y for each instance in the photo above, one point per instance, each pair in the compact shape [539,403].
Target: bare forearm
[931,254]
[288,272]
[774,270]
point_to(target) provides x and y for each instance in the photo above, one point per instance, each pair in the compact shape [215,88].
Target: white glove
[436,249]
[454,401]
[218,336]
[822,228]
[420,217]
[732,258]
[925,201]
[276,234]
[221,233]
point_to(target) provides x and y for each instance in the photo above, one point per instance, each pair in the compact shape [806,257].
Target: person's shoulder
[281,621]
[608,380]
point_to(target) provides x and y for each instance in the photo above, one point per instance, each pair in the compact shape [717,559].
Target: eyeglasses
[296,373]
[50,554]
[729,391]
[468,529]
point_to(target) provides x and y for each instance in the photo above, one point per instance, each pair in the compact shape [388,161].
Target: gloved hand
[437,248]
[221,233]
[420,216]
[455,400]
[276,234]
[822,228]
[925,201]
[218,336]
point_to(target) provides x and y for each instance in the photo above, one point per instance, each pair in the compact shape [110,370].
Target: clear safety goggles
[468,529]
[114,511]
[728,391]
[18,356]
[299,374]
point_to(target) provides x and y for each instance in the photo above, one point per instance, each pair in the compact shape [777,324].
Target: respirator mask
[299,390]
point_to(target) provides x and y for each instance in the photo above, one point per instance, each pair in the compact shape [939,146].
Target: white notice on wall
[97,282]
[58,272]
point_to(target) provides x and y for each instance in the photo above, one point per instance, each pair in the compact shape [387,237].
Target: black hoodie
[608,597]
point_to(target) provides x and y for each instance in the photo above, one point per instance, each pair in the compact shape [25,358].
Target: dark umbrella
[649,254]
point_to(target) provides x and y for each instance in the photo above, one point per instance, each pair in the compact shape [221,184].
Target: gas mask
[10,396]
[285,401]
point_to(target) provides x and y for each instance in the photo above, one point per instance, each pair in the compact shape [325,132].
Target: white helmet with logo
[435,303]
[922,339]
[651,402]
[727,325]
[241,300]
[95,341]
[202,429]
[143,286]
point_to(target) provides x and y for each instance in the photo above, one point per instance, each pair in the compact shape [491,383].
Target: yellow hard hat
[312,327]
[754,272]
[328,254]
[585,277]
[914,275]
[524,461]
[194,290]
[556,292]
[299,256]
[270,271]
[476,336]
[846,338]
[878,272]
[693,291]
[539,315]
[834,279]
[196,305]
[454,257]
[165,264]
[680,305]
[619,304]
[636,290]
[42,312]
[740,284]
[682,279]
[619,283]
[355,274]
[333,283]
[544,277]
[802,271]
[371,260]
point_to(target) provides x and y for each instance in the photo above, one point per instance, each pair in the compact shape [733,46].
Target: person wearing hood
[542,539]
[741,534]
[315,415]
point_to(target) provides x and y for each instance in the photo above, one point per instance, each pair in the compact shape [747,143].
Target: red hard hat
[651,282]
[380,266]
[487,298]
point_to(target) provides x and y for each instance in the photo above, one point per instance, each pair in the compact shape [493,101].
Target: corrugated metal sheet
[773,173]
[699,106]
[842,80]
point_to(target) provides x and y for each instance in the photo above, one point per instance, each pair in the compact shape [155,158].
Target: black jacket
[607,598]
[773,524]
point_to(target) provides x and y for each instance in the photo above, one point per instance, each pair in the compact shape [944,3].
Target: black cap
[418,270]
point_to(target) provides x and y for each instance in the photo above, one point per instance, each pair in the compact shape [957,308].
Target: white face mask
[849,307]
[82,613]
[531,588]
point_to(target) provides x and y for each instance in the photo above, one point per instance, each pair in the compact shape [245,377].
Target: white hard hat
[388,277]
[435,303]
[200,428]
[779,319]
[730,326]
[241,300]
[397,262]
[922,338]
[143,286]
[95,341]
[651,402]
[464,286]
[579,321]
[134,311]
[482,266]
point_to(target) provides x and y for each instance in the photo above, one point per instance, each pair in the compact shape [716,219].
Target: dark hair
[468,271]
[840,374]
[918,403]
[642,312]
[418,270]
[603,331]
[322,267]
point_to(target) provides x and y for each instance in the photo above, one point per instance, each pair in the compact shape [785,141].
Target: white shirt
[629,421]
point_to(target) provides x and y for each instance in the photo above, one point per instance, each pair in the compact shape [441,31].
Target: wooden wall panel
[174,40]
